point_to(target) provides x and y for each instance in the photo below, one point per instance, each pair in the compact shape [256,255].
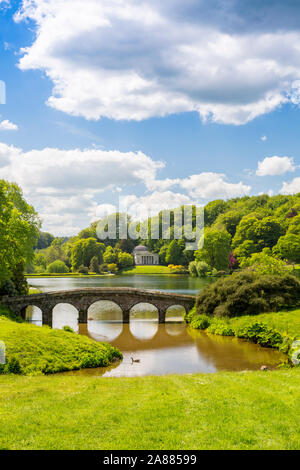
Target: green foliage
[248,294]
[45,239]
[32,350]
[110,256]
[94,265]
[262,263]
[198,268]
[219,328]
[68,329]
[200,322]
[174,253]
[13,366]
[83,270]
[259,333]
[125,260]
[288,247]
[58,267]
[112,268]
[19,226]
[216,249]
[83,250]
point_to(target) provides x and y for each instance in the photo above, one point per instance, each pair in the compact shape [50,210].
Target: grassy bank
[274,329]
[29,276]
[40,350]
[253,410]
[147,270]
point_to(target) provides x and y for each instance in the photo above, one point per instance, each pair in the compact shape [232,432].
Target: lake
[159,349]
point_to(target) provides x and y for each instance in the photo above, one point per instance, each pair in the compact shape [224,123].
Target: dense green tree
[212,210]
[125,260]
[174,253]
[216,249]
[84,250]
[57,267]
[263,263]
[110,256]
[45,239]
[288,247]
[94,265]
[19,230]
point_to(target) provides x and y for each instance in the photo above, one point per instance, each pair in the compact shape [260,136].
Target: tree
[84,250]
[57,267]
[174,253]
[212,210]
[110,256]
[19,229]
[262,263]
[288,247]
[216,249]
[45,240]
[125,260]
[94,265]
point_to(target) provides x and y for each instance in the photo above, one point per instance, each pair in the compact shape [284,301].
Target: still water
[159,349]
[173,283]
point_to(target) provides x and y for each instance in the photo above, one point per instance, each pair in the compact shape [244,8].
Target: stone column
[47,316]
[161,315]
[126,315]
[83,315]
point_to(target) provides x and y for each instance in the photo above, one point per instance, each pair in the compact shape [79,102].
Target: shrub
[222,329]
[68,329]
[13,366]
[83,270]
[248,294]
[259,333]
[113,268]
[200,322]
[57,267]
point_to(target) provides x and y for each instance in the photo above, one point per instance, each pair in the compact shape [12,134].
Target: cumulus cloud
[63,185]
[213,186]
[71,188]
[272,166]
[293,187]
[7,125]
[146,206]
[126,59]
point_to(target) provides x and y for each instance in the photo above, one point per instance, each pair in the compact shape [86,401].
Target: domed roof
[140,248]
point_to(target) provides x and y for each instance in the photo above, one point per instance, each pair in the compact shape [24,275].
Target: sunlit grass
[251,410]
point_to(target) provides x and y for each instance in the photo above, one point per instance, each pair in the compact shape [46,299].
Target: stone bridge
[82,299]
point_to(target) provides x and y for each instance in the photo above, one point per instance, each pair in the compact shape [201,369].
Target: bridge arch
[141,313]
[104,310]
[68,311]
[33,313]
[175,313]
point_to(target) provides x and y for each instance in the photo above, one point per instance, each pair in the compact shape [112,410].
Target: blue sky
[158,105]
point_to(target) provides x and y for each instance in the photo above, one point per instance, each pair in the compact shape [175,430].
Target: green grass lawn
[43,350]
[286,321]
[146,270]
[252,410]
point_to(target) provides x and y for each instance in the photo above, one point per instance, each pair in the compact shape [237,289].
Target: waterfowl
[134,360]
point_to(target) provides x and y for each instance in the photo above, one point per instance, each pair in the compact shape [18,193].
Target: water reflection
[162,349]
[65,315]
[143,321]
[34,315]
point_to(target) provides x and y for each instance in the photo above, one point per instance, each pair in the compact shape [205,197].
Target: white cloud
[125,59]
[213,186]
[65,185]
[275,166]
[292,187]
[263,138]
[146,206]
[7,125]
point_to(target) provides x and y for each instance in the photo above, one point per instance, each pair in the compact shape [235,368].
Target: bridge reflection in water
[162,348]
